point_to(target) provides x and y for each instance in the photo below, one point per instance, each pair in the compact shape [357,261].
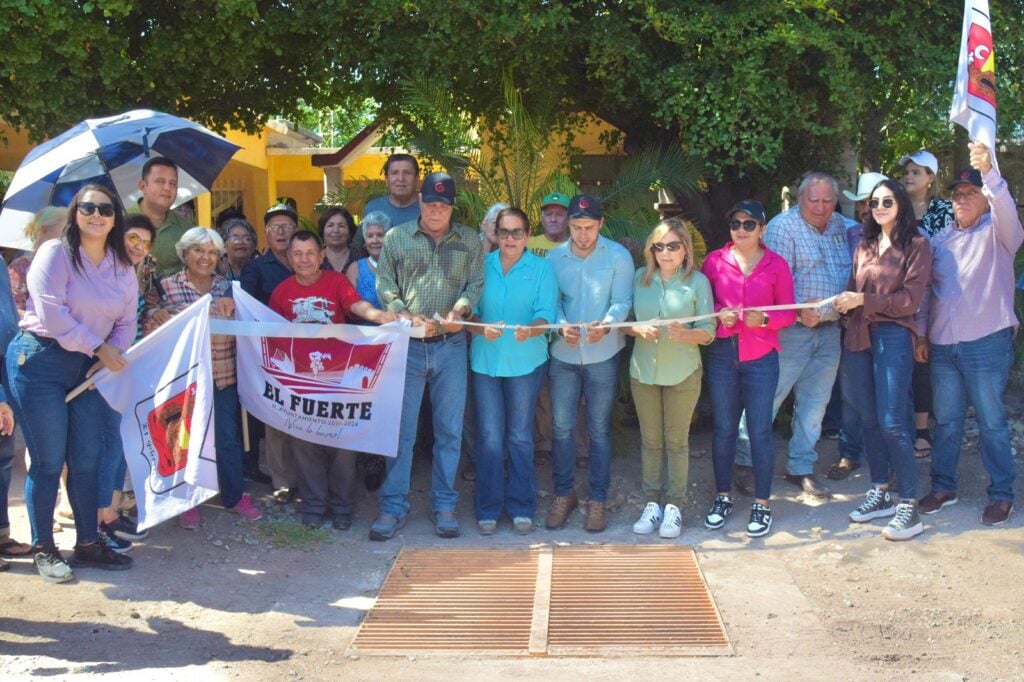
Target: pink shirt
[81,308]
[770,283]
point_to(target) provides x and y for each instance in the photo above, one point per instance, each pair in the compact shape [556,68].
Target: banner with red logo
[336,385]
[165,397]
[974,100]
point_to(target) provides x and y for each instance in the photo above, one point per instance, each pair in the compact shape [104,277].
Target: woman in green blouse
[665,368]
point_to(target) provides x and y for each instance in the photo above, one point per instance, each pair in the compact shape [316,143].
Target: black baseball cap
[967,176]
[438,188]
[755,209]
[585,206]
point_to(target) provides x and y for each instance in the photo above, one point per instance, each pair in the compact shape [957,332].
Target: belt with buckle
[436,338]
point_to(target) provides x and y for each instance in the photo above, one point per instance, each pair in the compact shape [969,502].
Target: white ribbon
[656,322]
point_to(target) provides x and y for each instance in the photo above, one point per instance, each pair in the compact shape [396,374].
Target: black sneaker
[98,555]
[905,524]
[718,513]
[127,529]
[51,565]
[342,521]
[760,520]
[107,537]
[877,503]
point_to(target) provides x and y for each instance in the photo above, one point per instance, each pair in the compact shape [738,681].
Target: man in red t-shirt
[321,297]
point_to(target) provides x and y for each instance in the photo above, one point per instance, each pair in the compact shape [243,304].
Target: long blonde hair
[681,229]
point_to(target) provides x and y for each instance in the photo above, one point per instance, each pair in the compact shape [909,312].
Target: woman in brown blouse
[891,269]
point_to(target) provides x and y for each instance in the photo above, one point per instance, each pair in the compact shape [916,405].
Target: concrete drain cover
[561,601]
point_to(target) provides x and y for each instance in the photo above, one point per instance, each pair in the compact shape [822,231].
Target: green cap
[555,199]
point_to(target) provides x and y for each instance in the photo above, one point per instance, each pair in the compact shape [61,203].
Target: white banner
[165,397]
[343,391]
[974,100]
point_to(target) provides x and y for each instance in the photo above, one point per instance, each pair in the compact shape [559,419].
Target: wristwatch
[764,322]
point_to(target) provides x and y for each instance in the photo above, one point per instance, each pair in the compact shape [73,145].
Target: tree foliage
[760,91]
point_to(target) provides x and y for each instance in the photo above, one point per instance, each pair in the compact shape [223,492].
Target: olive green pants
[665,413]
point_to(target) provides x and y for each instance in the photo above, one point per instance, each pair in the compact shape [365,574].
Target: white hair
[493,211]
[195,237]
[379,218]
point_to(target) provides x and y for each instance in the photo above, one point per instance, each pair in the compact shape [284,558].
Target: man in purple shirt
[970,324]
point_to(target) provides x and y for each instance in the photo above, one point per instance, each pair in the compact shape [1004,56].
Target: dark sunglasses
[886,203]
[517,233]
[748,225]
[671,246]
[88,208]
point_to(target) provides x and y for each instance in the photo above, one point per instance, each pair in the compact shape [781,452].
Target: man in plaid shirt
[811,237]
[430,266]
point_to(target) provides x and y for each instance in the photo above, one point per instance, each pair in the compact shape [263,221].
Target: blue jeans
[441,368]
[505,407]
[883,376]
[227,433]
[113,464]
[851,436]
[736,387]
[807,365]
[57,432]
[599,381]
[976,371]
[6,460]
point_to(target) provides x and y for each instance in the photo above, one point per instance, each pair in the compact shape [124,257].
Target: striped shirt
[424,277]
[820,261]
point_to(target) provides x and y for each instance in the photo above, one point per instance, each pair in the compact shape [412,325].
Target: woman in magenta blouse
[80,316]
[743,361]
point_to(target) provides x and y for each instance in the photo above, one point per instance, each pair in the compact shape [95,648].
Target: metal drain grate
[564,601]
[625,598]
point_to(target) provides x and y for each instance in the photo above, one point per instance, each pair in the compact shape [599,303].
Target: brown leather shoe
[809,484]
[842,469]
[935,501]
[597,518]
[559,511]
[996,512]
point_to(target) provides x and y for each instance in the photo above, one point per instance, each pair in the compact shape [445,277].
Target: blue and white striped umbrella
[110,151]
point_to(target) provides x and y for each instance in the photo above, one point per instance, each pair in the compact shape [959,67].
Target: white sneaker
[672,526]
[649,519]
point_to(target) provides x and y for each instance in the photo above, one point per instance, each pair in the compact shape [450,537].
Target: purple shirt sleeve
[81,308]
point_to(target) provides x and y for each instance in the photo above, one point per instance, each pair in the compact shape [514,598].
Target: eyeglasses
[240,239]
[747,225]
[516,233]
[280,227]
[671,246]
[87,208]
[136,240]
[959,197]
[886,203]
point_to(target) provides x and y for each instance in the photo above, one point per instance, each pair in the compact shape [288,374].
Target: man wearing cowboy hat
[433,266]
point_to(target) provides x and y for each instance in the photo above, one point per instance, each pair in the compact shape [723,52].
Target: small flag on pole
[974,100]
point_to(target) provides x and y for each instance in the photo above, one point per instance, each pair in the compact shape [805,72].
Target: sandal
[13,548]
[922,446]
[842,469]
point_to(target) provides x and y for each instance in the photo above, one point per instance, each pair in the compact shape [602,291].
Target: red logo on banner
[170,424]
[981,64]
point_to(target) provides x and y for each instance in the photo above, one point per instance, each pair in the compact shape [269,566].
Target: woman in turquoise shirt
[665,368]
[508,360]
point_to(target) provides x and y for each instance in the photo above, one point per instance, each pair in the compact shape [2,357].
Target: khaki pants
[665,413]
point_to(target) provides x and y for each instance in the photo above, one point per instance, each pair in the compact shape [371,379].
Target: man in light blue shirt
[401,204]
[595,287]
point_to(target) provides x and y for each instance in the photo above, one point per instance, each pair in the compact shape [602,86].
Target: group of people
[531,331]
